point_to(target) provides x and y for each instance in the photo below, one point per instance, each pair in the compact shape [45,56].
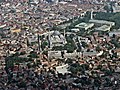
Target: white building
[75,30]
[62,69]
[103,28]
[114,32]
[116,8]
[54,54]
[102,22]
[57,39]
[85,26]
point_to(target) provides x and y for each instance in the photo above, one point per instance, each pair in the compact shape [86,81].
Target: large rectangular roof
[103,28]
[85,25]
[102,22]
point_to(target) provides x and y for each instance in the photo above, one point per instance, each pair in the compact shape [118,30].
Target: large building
[56,39]
[103,28]
[114,33]
[54,54]
[102,22]
[85,26]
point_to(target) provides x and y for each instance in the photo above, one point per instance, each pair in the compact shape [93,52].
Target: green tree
[116,19]
[69,61]
[84,44]
[33,55]
[115,42]
[58,48]
[10,63]
[44,44]
[107,8]
[69,48]
[98,48]
[73,70]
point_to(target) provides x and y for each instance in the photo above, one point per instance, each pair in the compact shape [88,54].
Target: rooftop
[85,25]
[102,22]
[103,28]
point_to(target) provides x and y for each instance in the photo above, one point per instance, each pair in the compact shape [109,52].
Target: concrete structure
[32,39]
[102,22]
[114,32]
[62,69]
[91,14]
[34,1]
[94,53]
[15,30]
[85,26]
[57,39]
[58,54]
[75,30]
[54,54]
[72,55]
[2,25]
[116,8]
[103,28]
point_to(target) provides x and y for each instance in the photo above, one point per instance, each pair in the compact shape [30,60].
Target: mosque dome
[56,33]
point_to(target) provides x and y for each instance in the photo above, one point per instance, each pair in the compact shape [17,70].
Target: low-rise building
[102,22]
[85,26]
[103,28]
[75,30]
[114,33]
[54,54]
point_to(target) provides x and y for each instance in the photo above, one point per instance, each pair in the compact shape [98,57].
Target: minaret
[39,43]
[39,47]
[64,36]
[91,14]
[49,39]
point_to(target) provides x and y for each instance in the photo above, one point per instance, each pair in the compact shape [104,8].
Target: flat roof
[102,22]
[103,28]
[85,25]
[15,30]
[75,29]
[62,69]
[114,32]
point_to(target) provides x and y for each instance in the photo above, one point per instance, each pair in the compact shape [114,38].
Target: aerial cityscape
[59,44]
